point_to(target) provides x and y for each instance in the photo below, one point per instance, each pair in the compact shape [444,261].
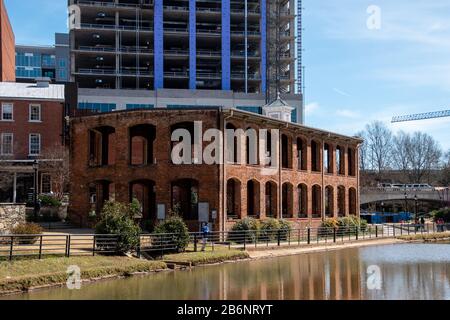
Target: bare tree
[424,155]
[401,145]
[363,151]
[379,144]
[55,161]
[445,172]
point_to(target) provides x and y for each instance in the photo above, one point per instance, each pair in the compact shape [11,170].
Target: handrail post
[376,231]
[11,248]
[40,247]
[393,228]
[195,243]
[138,253]
[69,241]
[309,235]
[245,240]
[357,233]
[94,245]
[279,238]
[334,235]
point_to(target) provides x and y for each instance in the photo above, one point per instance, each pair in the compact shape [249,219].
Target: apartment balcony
[209,54]
[241,76]
[103,4]
[176,74]
[209,75]
[113,72]
[109,49]
[96,26]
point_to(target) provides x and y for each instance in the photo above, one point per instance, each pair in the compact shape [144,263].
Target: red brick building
[122,155]
[7,47]
[31,122]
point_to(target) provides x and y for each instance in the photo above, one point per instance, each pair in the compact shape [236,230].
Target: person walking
[205,235]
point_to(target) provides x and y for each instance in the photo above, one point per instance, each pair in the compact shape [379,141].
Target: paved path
[281,252]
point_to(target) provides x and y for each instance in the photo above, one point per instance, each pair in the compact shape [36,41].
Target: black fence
[39,246]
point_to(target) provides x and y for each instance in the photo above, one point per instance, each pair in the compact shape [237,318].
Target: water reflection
[408,272]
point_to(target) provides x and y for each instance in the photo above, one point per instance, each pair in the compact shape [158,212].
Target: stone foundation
[10,216]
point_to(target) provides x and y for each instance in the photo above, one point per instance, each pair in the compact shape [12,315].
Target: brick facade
[50,127]
[7,47]
[99,174]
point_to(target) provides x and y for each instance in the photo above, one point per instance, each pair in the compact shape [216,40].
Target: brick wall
[7,47]
[50,128]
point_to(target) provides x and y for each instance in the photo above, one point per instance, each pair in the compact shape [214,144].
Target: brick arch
[341,195]
[302,200]
[102,140]
[100,191]
[316,201]
[329,201]
[271,198]
[233,198]
[302,153]
[316,158]
[253,198]
[288,200]
[185,194]
[352,201]
[143,190]
[141,144]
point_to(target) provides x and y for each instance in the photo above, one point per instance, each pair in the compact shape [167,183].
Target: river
[407,271]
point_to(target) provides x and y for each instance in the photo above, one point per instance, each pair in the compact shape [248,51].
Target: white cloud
[311,108]
[346,113]
[342,93]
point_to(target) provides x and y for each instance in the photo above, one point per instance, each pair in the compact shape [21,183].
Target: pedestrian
[422,223]
[205,234]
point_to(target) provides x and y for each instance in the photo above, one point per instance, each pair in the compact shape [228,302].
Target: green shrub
[49,201]
[269,230]
[27,229]
[344,226]
[328,226]
[246,229]
[285,229]
[177,226]
[441,214]
[116,219]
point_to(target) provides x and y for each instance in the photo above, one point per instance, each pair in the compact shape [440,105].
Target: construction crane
[421,116]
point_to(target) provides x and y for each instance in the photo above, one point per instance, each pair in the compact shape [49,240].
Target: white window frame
[9,104]
[2,135]
[30,113]
[29,144]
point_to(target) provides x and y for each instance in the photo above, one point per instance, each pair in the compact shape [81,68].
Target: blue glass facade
[159,44]
[140,106]
[192,45]
[257,110]
[226,45]
[99,107]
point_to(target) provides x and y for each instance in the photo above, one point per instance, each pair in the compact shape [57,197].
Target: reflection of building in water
[336,276]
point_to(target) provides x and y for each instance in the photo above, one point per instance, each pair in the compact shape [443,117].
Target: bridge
[372,195]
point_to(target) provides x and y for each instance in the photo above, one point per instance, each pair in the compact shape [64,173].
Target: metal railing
[39,246]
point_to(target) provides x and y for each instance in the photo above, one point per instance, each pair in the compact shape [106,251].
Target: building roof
[278,103]
[30,91]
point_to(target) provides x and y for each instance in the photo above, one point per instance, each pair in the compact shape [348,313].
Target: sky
[354,74]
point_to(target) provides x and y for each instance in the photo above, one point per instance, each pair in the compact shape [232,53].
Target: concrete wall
[10,216]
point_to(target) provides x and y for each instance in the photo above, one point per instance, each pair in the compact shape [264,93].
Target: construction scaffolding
[421,116]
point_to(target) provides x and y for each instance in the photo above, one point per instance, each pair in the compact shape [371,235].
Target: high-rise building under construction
[239,46]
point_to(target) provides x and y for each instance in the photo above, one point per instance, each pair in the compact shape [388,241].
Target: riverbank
[24,275]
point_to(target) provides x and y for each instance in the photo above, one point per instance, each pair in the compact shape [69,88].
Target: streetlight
[35,196]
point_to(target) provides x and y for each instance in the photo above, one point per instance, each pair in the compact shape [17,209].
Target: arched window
[185,198]
[271,199]
[302,154]
[253,196]
[340,160]
[329,202]
[315,156]
[341,201]
[317,202]
[99,192]
[303,201]
[328,158]
[286,152]
[352,163]
[234,199]
[101,146]
[142,138]
[144,192]
[352,201]
[288,200]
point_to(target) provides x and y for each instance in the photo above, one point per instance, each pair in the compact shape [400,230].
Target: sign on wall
[203,212]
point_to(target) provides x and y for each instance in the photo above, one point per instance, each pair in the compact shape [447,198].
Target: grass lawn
[208,257]
[24,274]
[426,237]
